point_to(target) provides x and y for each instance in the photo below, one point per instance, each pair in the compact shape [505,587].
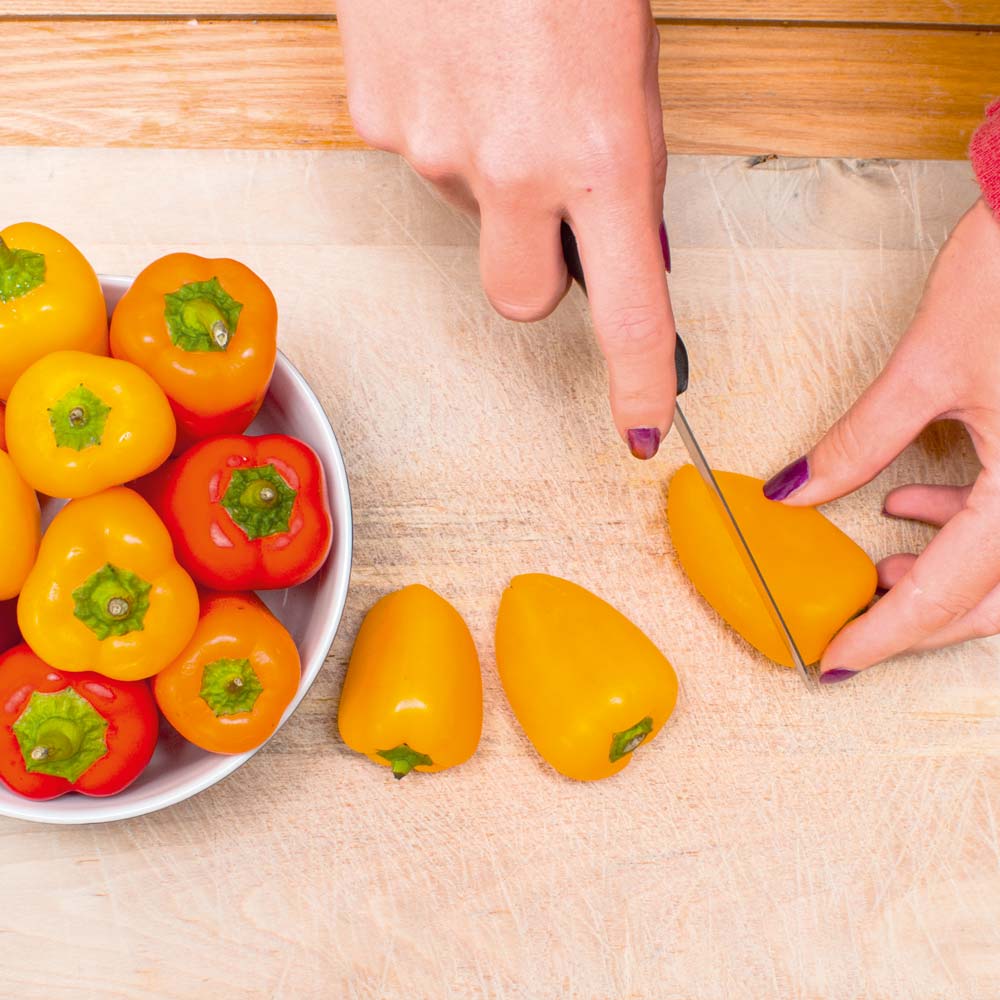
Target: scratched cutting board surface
[772,842]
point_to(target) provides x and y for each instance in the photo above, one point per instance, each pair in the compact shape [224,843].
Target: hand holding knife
[575,267]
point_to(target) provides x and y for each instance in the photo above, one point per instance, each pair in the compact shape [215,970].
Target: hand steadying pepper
[946,366]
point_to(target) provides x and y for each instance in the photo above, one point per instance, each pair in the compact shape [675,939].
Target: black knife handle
[572,254]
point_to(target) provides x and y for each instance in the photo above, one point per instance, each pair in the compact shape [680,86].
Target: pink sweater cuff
[984,151]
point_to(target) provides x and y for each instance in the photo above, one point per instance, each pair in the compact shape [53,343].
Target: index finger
[953,574]
[623,259]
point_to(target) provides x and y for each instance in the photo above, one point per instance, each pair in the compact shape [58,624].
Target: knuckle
[520,312]
[371,122]
[844,444]
[632,331]
[934,606]
[432,158]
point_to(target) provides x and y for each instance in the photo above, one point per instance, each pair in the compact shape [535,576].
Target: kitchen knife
[573,264]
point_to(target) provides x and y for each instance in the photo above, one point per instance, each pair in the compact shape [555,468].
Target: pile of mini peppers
[138,601]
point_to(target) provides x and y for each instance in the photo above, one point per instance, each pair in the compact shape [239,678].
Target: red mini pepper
[71,732]
[248,513]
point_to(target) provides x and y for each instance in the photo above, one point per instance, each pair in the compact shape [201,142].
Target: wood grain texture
[952,12]
[772,842]
[855,92]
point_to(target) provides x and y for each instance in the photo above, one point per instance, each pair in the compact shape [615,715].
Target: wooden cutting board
[772,842]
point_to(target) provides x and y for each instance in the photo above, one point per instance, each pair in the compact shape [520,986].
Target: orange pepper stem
[201,316]
[628,739]
[404,759]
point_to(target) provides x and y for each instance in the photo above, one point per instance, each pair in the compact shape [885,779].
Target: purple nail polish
[836,676]
[665,246]
[785,483]
[644,442]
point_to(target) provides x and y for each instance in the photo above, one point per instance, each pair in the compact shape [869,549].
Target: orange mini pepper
[206,330]
[106,593]
[77,424]
[50,300]
[228,689]
[413,694]
[21,521]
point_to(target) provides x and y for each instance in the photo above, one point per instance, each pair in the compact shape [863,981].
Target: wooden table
[773,841]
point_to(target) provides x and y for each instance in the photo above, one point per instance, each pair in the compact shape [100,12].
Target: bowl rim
[47,811]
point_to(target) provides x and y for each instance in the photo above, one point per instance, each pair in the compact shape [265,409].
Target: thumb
[882,422]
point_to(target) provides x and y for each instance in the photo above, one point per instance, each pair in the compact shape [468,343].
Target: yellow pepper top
[50,300]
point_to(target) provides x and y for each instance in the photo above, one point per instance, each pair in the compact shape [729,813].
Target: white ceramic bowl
[310,612]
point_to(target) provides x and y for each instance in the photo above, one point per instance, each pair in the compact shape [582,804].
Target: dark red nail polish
[665,246]
[644,442]
[785,483]
[836,676]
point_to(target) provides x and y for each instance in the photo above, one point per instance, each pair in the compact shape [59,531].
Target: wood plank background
[754,77]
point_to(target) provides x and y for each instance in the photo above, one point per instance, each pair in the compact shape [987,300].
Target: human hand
[946,366]
[528,113]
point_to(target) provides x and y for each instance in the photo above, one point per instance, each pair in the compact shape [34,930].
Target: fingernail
[644,442]
[785,483]
[836,676]
[665,245]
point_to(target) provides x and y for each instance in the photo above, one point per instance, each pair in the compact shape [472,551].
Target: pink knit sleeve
[984,151]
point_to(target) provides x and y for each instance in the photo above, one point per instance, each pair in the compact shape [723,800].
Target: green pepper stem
[404,759]
[628,739]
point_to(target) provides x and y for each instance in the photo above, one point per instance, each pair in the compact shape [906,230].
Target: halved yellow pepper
[106,593]
[78,424]
[21,518]
[818,576]
[413,694]
[586,684]
[50,300]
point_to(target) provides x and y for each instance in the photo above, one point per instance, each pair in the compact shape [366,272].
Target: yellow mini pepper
[77,424]
[818,576]
[588,687]
[50,300]
[20,518]
[106,593]
[413,695]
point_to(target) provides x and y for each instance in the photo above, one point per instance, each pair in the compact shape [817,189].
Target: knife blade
[681,364]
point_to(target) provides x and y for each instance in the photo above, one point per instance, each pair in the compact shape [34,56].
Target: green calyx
[404,759]
[78,419]
[259,501]
[61,734]
[21,271]
[112,601]
[201,316]
[230,687]
[628,739]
